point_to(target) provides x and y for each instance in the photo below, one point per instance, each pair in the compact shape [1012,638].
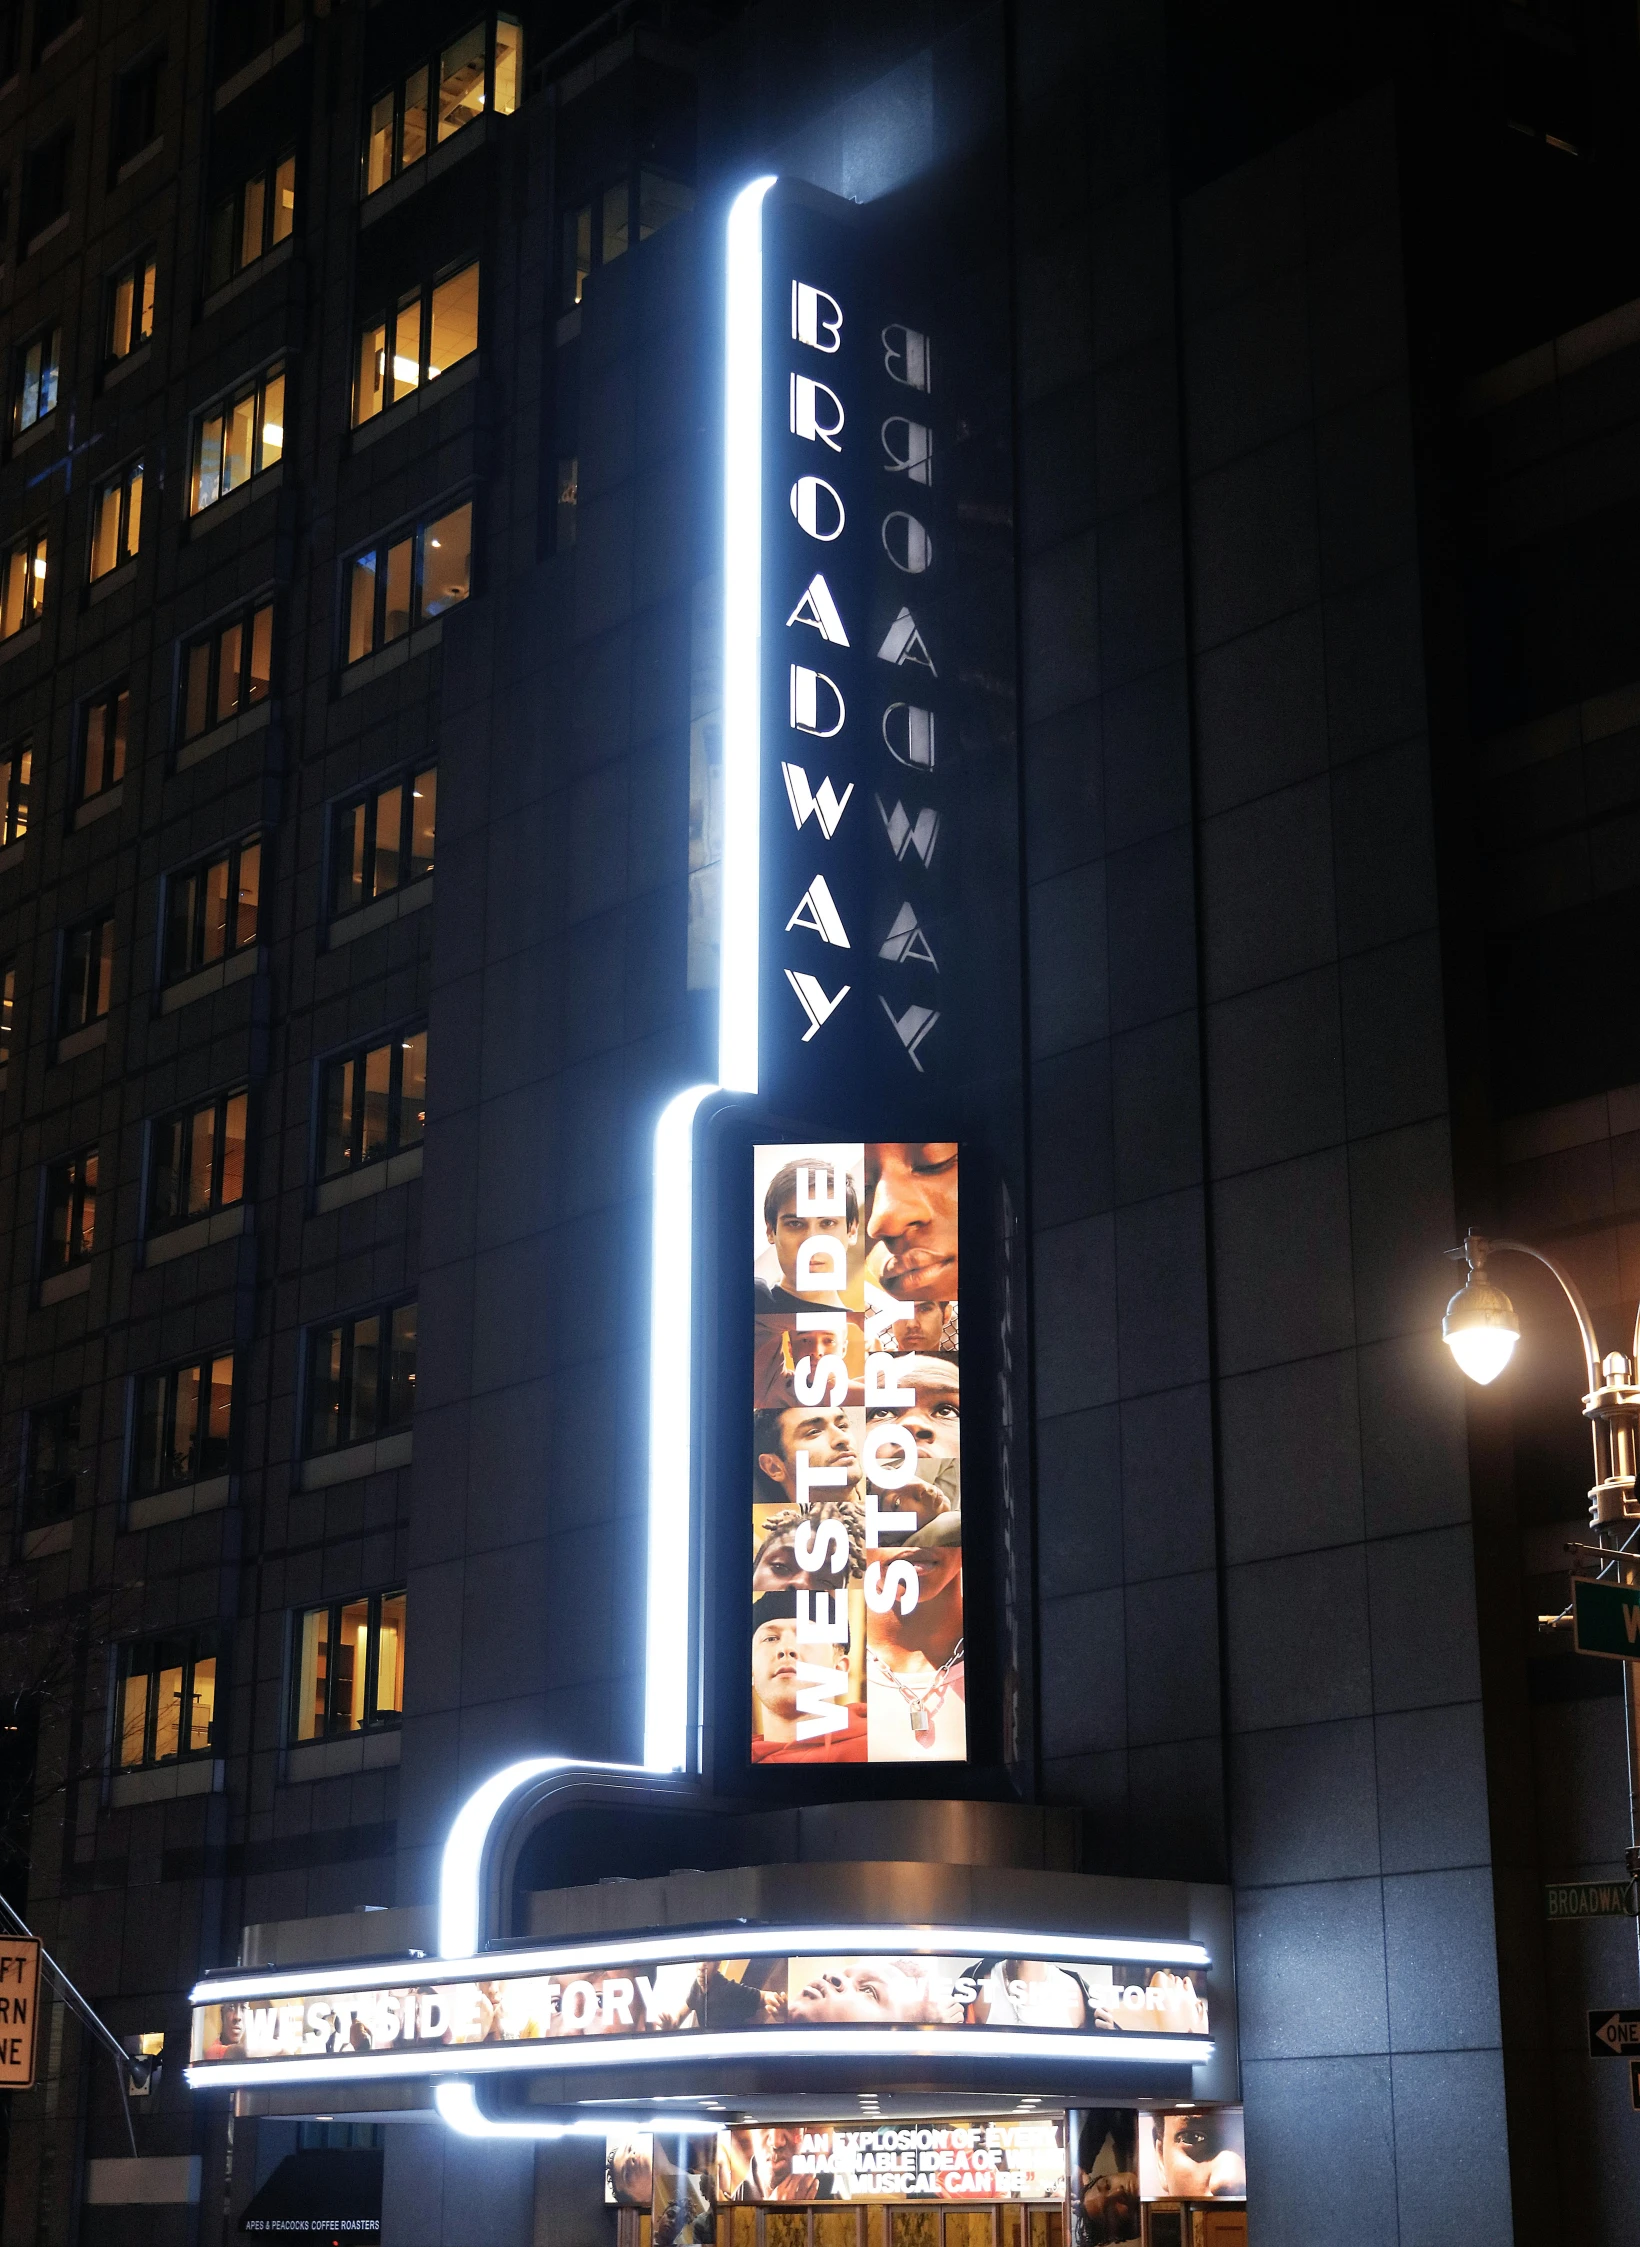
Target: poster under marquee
[857,1651]
[826,2162]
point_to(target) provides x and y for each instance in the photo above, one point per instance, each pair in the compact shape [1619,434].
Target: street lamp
[1480,1329]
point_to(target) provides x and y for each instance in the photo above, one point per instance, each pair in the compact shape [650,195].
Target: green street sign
[1606,1618]
[1591,1899]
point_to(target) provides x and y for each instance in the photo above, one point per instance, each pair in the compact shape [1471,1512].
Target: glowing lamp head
[1480,1327]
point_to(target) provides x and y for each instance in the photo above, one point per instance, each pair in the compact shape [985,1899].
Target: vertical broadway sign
[855,988]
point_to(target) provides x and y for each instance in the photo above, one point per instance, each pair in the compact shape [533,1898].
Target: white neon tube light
[574,2056]
[458,2104]
[732,1942]
[742,614]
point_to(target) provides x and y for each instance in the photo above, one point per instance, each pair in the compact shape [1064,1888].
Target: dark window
[413,576]
[54,1463]
[8,1012]
[184,1423]
[212,909]
[22,582]
[130,315]
[426,331]
[604,228]
[383,841]
[361,1378]
[197,1161]
[167,1700]
[237,438]
[45,184]
[372,1103]
[226,670]
[11,41]
[349,1667]
[105,725]
[71,1212]
[247,28]
[116,520]
[51,19]
[479,70]
[34,378]
[88,975]
[16,772]
[255,218]
[136,110]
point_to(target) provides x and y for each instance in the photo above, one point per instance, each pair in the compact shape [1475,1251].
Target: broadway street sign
[1606,1618]
[1591,1899]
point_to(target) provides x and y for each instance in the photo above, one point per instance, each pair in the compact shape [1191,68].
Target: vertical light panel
[742,603]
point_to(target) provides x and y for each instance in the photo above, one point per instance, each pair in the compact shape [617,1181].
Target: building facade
[368,813]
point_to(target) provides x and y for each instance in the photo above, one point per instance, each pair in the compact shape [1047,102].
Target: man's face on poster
[1196,2158]
[631,2171]
[911,1218]
[827,1437]
[790,1230]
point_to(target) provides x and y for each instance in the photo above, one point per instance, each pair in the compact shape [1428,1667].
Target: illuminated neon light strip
[686,1949]
[667,1698]
[459,2106]
[692,2048]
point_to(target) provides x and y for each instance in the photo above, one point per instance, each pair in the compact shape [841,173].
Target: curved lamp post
[1481,1330]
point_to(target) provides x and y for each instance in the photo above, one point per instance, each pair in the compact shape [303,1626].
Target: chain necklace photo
[917,1704]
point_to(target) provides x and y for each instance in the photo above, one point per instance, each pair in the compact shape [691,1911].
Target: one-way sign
[1613,2036]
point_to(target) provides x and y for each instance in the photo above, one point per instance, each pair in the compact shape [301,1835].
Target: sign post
[19,2012]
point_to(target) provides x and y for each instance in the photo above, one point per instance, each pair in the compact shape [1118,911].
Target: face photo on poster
[1199,2153]
[925,2160]
[857,1647]
[1104,2150]
[629,2170]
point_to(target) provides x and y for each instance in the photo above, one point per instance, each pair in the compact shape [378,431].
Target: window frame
[233,203]
[211,636]
[142,271]
[199,1646]
[430,63]
[406,779]
[420,293]
[95,922]
[251,389]
[142,75]
[125,481]
[17,767]
[395,1042]
[591,212]
[346,1323]
[230,854]
[416,530]
[50,331]
[32,1516]
[80,1193]
[374,1719]
[155,1225]
[106,699]
[138,1486]
[33,548]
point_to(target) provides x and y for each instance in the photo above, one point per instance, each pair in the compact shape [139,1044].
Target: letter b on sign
[817,319]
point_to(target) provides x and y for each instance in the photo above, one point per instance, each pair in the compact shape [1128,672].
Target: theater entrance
[997,2223]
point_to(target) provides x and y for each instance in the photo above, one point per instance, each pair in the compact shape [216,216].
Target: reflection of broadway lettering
[904,833]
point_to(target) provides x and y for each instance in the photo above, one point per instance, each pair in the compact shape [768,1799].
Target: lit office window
[227,670]
[197,1161]
[212,909]
[255,218]
[8,1011]
[361,1379]
[372,1103]
[130,319]
[88,975]
[105,724]
[116,520]
[348,1667]
[602,229]
[54,1462]
[184,1424]
[22,582]
[71,1212]
[425,333]
[237,438]
[430,104]
[34,379]
[384,840]
[166,1707]
[16,772]
[408,580]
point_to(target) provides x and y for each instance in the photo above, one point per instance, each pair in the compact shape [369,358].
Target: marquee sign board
[857,668]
